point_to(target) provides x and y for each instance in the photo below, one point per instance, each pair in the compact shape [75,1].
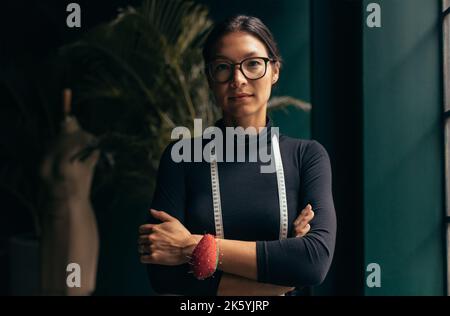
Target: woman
[243,63]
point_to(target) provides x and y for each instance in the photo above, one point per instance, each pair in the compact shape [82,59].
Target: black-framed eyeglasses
[253,68]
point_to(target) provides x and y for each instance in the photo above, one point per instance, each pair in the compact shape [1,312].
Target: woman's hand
[164,243]
[301,224]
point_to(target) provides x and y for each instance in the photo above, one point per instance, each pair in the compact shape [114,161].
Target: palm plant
[139,76]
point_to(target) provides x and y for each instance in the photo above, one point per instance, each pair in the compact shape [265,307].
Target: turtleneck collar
[220,123]
[250,138]
[266,130]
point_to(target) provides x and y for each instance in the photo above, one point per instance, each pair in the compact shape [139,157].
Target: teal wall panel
[402,141]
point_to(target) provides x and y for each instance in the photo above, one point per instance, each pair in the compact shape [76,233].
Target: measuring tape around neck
[218,221]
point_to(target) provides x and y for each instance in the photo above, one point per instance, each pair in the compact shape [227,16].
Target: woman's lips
[240,96]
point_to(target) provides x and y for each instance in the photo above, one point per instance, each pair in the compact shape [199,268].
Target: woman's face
[240,96]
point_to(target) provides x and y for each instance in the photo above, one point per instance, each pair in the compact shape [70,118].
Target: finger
[162,216]
[146,259]
[308,209]
[299,230]
[302,225]
[151,258]
[146,228]
[144,240]
[144,249]
[307,216]
[149,239]
[300,217]
[304,212]
[304,231]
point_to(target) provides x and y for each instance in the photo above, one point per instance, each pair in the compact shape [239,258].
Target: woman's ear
[275,72]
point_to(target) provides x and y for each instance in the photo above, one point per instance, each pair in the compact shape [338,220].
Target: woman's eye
[221,67]
[254,63]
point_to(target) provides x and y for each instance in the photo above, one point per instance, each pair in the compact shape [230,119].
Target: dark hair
[246,24]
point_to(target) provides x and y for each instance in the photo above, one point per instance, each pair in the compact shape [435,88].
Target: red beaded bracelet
[205,257]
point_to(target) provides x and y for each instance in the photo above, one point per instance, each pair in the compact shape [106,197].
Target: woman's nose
[238,77]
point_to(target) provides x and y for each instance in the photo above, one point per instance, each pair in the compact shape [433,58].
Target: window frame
[445,36]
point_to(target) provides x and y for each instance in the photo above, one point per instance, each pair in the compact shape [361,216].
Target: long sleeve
[304,261]
[170,197]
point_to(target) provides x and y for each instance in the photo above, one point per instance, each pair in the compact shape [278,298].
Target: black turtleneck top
[250,211]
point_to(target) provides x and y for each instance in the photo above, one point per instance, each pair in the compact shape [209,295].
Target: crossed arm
[170,243]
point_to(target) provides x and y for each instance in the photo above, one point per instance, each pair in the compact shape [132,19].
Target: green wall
[402,148]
